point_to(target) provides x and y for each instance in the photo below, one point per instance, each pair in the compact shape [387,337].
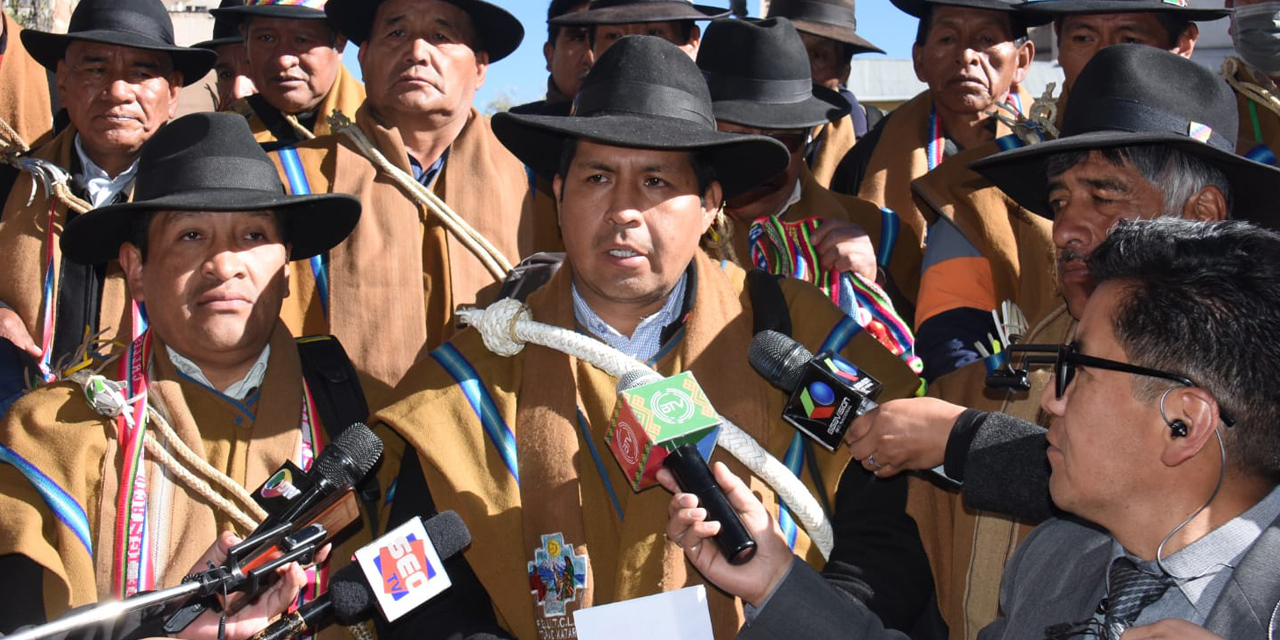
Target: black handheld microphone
[306,521]
[827,391]
[694,476]
[350,599]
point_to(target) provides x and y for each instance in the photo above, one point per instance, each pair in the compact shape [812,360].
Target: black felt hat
[239,11]
[210,162]
[1180,8]
[1133,94]
[646,93]
[834,19]
[758,74]
[629,11]
[226,29]
[920,8]
[143,24]
[500,32]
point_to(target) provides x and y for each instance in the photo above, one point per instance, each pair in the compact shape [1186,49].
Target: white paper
[674,615]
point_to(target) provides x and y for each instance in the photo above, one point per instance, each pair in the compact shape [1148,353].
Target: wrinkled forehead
[79,51]
[420,12]
[952,16]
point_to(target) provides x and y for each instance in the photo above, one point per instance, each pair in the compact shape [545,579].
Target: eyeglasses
[1067,357]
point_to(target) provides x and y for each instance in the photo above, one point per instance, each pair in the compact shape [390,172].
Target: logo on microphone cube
[652,419]
[817,399]
[404,568]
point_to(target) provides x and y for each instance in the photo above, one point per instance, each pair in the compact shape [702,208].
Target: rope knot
[497,325]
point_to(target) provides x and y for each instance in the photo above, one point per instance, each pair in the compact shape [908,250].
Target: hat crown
[142,17]
[605,4]
[768,50]
[204,151]
[648,76]
[1143,89]
[835,12]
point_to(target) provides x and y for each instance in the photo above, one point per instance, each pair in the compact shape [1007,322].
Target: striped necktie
[1129,591]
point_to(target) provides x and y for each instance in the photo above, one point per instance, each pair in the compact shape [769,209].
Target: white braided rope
[507,325]
[106,397]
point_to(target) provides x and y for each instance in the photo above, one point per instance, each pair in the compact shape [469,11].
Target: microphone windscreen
[779,359]
[350,596]
[448,533]
[636,378]
[350,457]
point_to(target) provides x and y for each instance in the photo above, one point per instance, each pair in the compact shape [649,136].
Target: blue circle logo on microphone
[817,399]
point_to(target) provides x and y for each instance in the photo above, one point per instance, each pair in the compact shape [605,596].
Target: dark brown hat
[832,19]
[1180,8]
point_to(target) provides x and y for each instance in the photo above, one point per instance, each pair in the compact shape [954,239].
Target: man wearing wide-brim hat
[829,29]
[973,55]
[390,291]
[231,71]
[675,21]
[639,171]
[118,75]
[295,61]
[89,510]
[1132,146]
[756,72]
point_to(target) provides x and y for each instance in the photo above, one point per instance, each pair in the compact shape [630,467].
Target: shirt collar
[101,187]
[794,198]
[652,331]
[427,176]
[238,391]
[1194,565]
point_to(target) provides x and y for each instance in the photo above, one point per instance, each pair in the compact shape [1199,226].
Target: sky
[522,76]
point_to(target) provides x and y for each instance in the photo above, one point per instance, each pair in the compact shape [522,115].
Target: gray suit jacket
[1055,576]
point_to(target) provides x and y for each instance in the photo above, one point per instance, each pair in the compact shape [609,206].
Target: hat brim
[500,32]
[645,12]
[213,45]
[837,33]
[316,223]
[822,107]
[919,8]
[741,161]
[244,12]
[1021,172]
[1054,8]
[50,48]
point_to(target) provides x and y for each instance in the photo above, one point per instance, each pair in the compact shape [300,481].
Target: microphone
[316,505]
[350,599]
[827,391]
[670,422]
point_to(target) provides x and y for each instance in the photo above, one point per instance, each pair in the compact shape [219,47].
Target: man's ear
[917,52]
[1198,412]
[557,188]
[695,40]
[1206,205]
[340,43]
[482,68]
[288,251]
[175,89]
[712,198]
[1186,43]
[131,261]
[61,75]
[548,50]
[1026,53]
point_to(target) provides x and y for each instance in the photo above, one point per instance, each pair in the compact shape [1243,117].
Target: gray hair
[1177,174]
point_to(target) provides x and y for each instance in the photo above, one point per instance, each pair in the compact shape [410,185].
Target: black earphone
[1179,428]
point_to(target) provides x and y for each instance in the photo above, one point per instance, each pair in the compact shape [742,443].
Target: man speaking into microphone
[517,445]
